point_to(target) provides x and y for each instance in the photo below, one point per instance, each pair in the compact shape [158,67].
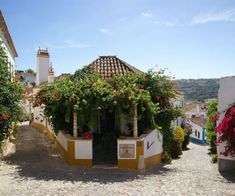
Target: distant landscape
[198,89]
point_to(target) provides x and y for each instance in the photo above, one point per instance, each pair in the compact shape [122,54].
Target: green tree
[211,124]
[30,71]
[10,95]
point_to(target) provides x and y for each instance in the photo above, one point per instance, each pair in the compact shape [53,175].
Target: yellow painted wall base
[153,160]
[69,155]
[128,163]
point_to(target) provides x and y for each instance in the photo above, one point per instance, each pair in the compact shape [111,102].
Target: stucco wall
[153,144]
[11,58]
[83,149]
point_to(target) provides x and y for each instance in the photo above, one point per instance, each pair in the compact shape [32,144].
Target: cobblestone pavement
[37,169]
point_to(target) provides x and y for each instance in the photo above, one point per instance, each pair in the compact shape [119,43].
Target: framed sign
[127,151]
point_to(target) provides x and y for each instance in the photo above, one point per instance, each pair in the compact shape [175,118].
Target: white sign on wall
[126,149]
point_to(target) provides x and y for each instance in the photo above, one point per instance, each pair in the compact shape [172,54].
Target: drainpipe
[75,124]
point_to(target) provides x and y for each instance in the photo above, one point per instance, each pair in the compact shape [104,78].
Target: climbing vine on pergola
[86,92]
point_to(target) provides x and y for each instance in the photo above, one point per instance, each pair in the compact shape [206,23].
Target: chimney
[51,76]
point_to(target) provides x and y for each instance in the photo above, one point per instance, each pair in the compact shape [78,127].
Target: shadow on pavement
[228,175]
[36,158]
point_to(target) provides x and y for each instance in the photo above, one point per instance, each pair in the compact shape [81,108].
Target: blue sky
[192,38]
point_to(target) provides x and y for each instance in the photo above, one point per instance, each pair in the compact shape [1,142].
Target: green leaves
[10,95]
[87,93]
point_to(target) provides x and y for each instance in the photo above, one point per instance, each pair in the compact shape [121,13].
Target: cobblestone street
[37,169]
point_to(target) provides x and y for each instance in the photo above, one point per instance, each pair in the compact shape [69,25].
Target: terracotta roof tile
[109,66]
[201,121]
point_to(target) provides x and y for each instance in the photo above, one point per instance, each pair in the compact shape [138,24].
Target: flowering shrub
[87,135]
[178,138]
[10,95]
[226,131]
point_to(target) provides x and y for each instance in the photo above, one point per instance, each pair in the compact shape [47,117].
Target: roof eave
[7,35]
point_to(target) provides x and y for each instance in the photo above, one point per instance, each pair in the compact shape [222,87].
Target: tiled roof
[201,121]
[192,107]
[109,66]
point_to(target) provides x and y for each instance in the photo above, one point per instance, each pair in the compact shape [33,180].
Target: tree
[144,97]
[10,95]
[30,71]
[211,124]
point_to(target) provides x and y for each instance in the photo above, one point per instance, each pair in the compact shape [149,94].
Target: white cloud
[167,23]
[147,13]
[74,44]
[226,15]
[105,31]
[67,44]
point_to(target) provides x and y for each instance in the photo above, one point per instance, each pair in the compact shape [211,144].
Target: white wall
[226,96]
[83,149]
[198,128]
[153,144]
[61,138]
[11,58]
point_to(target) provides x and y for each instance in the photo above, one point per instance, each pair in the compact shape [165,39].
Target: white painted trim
[61,138]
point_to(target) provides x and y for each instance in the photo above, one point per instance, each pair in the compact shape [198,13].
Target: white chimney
[43,60]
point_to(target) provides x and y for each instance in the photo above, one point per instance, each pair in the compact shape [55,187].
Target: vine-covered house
[112,114]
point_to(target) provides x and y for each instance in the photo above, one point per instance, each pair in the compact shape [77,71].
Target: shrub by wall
[178,138]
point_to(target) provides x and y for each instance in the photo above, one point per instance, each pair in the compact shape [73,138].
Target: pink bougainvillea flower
[232,111]
[226,131]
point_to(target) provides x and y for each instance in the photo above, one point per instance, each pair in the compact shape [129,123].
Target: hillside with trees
[198,89]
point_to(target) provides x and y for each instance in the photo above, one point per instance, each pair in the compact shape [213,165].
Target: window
[198,134]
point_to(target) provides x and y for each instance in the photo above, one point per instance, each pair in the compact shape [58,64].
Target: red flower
[5,116]
[232,111]
[87,135]
[226,131]
[1,122]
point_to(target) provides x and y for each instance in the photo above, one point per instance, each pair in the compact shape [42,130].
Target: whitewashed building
[198,125]
[8,44]
[178,102]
